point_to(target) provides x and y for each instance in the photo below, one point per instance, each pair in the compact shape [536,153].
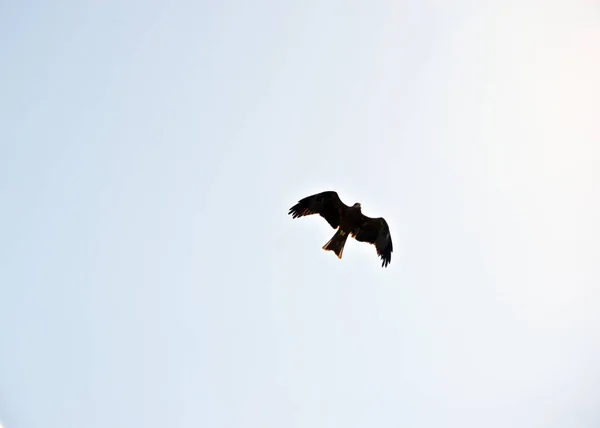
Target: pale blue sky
[150,275]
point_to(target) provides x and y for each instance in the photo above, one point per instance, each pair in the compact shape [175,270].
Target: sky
[151,276]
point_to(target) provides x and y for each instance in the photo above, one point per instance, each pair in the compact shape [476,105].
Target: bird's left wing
[377,232]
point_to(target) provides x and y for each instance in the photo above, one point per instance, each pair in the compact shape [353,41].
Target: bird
[349,221]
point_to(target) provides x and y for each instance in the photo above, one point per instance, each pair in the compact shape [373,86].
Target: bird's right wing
[327,204]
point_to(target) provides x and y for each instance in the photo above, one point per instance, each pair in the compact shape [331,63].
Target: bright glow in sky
[150,275]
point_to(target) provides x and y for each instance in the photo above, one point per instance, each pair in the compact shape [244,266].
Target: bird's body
[350,217]
[349,221]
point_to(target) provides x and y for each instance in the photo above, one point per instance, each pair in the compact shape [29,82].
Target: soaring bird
[349,221]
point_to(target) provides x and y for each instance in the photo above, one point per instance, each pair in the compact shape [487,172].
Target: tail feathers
[336,243]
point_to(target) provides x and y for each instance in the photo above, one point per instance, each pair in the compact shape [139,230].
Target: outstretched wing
[375,231]
[327,204]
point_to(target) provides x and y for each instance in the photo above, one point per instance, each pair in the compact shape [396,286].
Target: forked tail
[336,243]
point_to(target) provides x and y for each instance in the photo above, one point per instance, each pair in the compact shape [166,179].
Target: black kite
[348,221]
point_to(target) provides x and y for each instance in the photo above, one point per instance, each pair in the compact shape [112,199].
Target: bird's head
[356,205]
